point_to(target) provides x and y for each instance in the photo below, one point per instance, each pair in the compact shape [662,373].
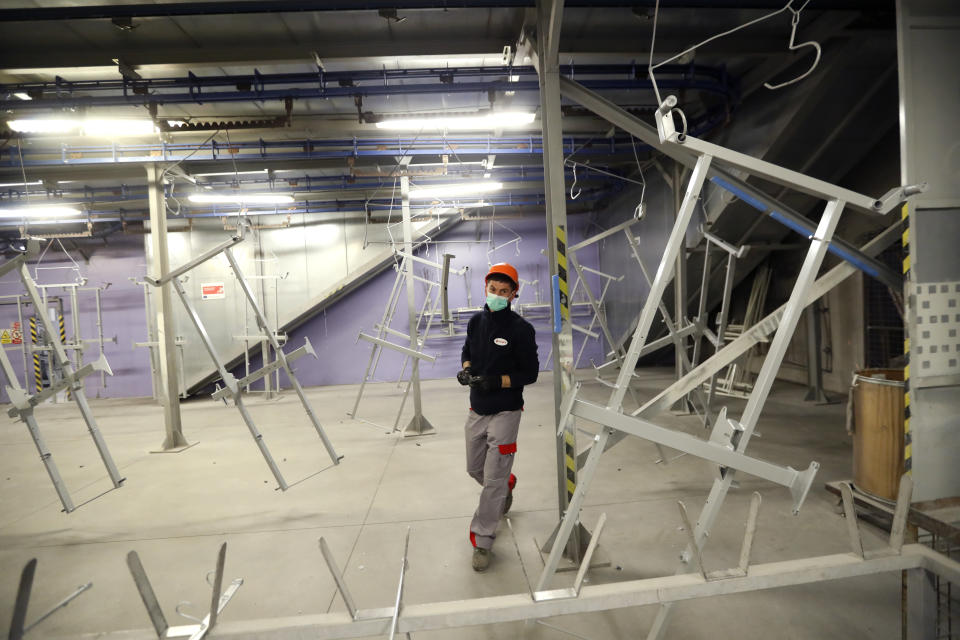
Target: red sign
[212,291]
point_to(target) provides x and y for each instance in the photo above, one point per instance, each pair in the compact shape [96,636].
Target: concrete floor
[176,509]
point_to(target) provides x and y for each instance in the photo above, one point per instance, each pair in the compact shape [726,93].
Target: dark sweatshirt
[500,343]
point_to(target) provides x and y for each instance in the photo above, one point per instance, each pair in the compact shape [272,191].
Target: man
[499,358]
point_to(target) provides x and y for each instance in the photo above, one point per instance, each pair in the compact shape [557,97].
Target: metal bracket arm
[305,350]
[22,402]
[798,482]
[780,175]
[203,257]
[396,347]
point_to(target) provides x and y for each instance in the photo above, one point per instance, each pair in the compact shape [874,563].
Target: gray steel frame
[532,605]
[232,387]
[739,434]
[70,378]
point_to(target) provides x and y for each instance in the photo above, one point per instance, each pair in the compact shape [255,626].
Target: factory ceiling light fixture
[229,173]
[106,128]
[38,212]
[20,184]
[486,121]
[455,190]
[240,198]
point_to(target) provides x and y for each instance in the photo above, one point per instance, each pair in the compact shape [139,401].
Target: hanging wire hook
[793,47]
[574,196]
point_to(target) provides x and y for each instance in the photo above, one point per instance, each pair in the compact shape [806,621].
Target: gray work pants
[491,445]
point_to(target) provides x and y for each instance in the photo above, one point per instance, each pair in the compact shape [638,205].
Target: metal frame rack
[728,438]
[70,378]
[919,562]
[233,388]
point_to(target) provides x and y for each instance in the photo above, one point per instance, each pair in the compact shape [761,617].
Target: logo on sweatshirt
[500,342]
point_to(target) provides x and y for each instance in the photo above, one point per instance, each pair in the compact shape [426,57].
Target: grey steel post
[419,425]
[815,392]
[281,356]
[680,284]
[674,247]
[166,332]
[230,382]
[549,20]
[31,422]
[761,389]
[59,355]
[721,328]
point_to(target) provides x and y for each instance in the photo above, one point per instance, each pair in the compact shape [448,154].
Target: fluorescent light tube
[20,184]
[455,190]
[106,128]
[227,173]
[240,198]
[38,212]
[44,125]
[494,120]
[22,96]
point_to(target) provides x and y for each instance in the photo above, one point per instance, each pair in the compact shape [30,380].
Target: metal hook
[185,615]
[574,196]
[794,47]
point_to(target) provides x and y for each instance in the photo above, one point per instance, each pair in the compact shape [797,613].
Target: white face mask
[496,303]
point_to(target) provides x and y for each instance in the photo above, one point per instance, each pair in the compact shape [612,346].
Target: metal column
[549,18]
[166,333]
[419,425]
[815,392]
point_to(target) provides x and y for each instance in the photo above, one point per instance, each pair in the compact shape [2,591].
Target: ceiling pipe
[175,9]
[274,150]
[194,89]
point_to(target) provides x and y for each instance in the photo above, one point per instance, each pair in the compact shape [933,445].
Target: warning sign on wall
[16,333]
[211,291]
[5,337]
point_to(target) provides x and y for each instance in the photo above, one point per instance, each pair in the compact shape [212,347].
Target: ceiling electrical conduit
[379,206]
[192,88]
[309,149]
[279,185]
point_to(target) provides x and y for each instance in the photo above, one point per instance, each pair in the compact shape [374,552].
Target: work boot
[509,503]
[481,559]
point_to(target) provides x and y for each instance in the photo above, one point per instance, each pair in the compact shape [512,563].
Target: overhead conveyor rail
[322,84]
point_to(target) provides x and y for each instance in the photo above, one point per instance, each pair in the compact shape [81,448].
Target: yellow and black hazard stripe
[569,437]
[570,455]
[907,435]
[561,234]
[63,330]
[37,371]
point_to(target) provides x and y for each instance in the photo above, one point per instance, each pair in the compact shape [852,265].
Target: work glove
[463,377]
[485,383]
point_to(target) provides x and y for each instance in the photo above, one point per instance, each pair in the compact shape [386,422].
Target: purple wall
[122,307]
[334,332]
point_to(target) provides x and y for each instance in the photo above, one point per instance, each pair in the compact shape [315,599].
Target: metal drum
[878,431]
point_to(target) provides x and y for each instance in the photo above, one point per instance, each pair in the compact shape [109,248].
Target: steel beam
[724,452]
[602,597]
[419,425]
[166,331]
[546,60]
[617,116]
[412,353]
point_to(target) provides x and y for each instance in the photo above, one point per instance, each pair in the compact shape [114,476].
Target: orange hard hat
[507,270]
